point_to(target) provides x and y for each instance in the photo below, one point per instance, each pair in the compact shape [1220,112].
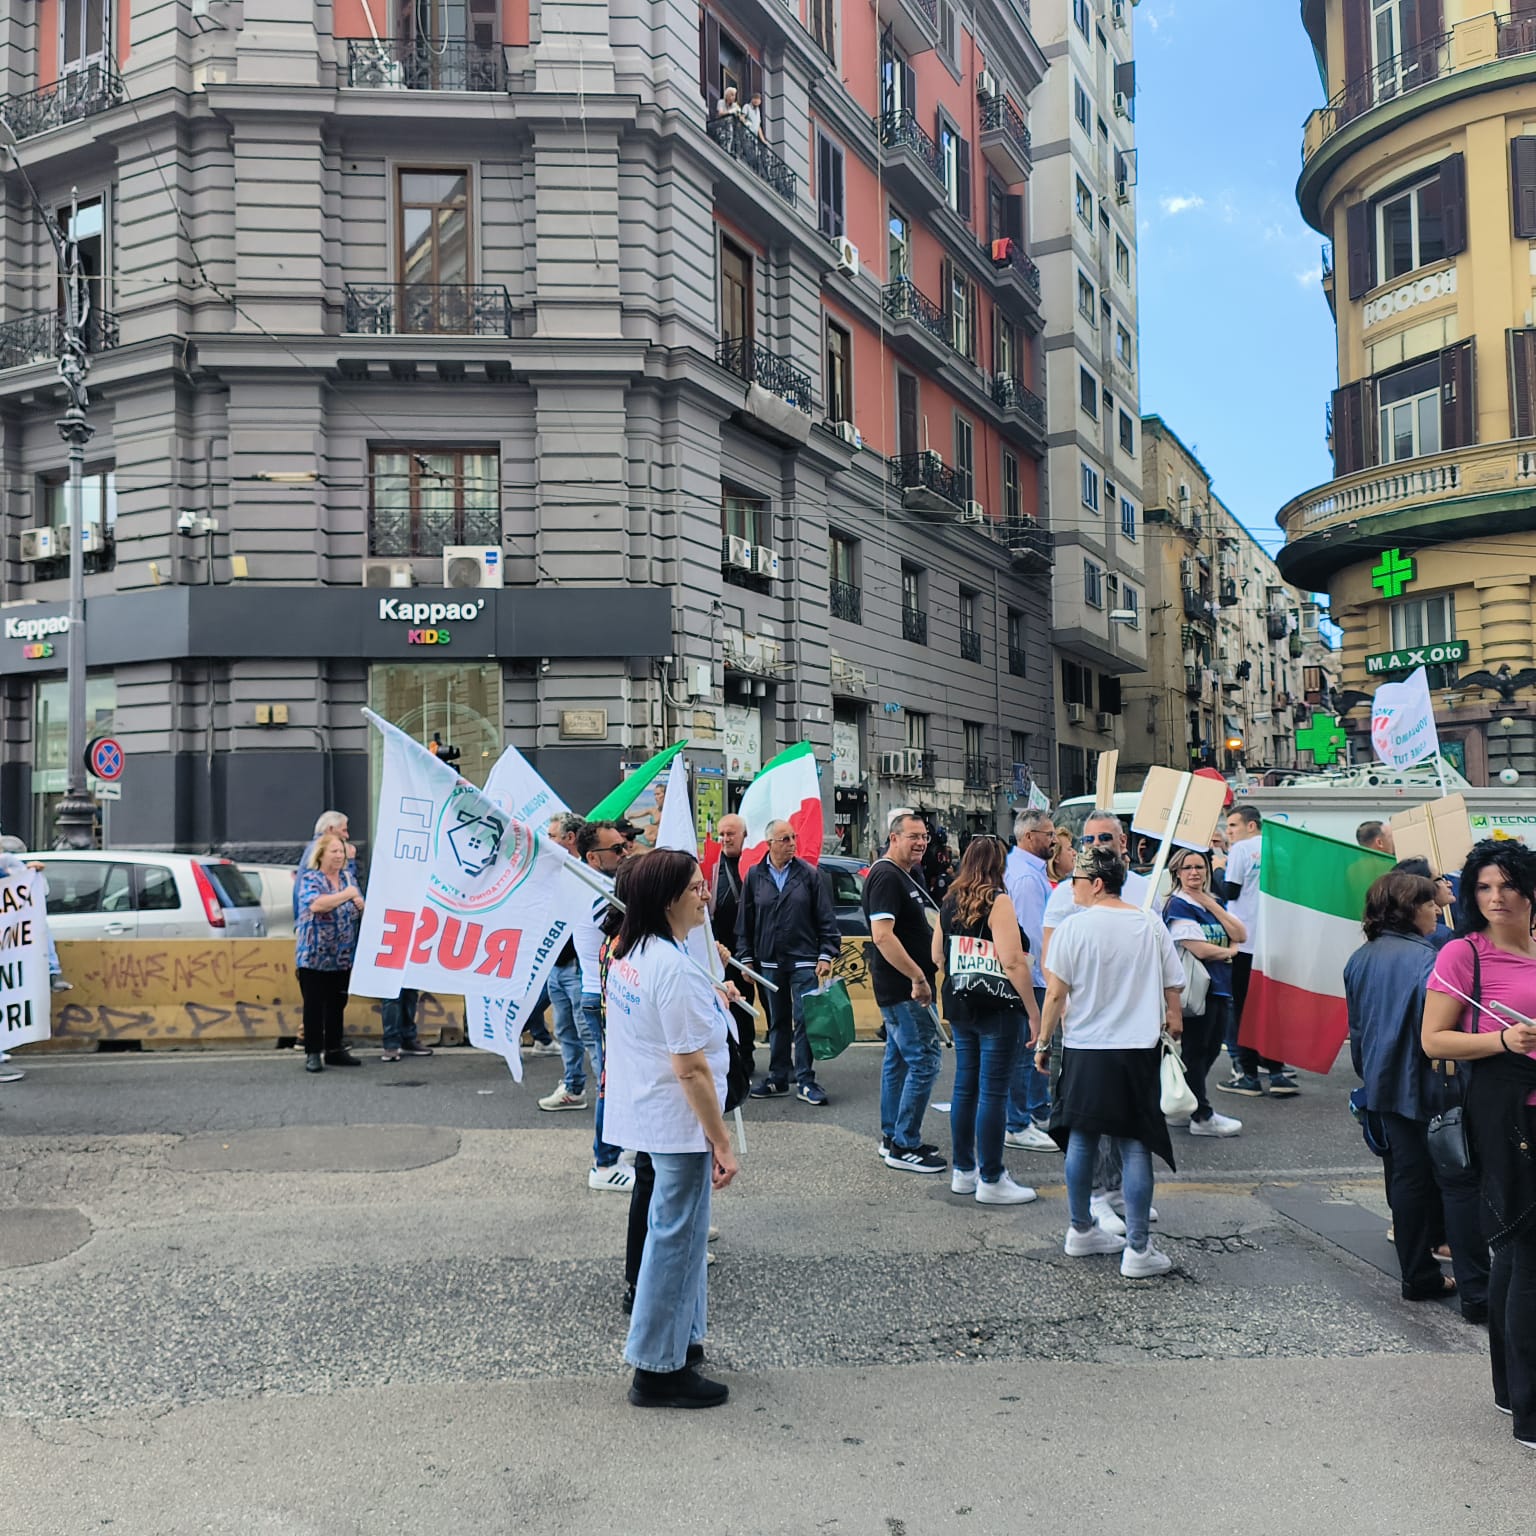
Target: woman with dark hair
[666,1079]
[1113,981]
[1203,928]
[1384,993]
[1494,967]
[989,1000]
[1445,897]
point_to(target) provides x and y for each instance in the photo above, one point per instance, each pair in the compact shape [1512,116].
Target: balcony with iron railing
[1018,661]
[1015,271]
[1014,395]
[927,483]
[427,309]
[1198,606]
[914,625]
[757,365]
[1277,625]
[76,95]
[423,532]
[913,169]
[979,773]
[913,25]
[1444,65]
[738,140]
[1030,547]
[420,64]
[846,601]
[1005,139]
[38,336]
[970,645]
[909,306]
[1194,682]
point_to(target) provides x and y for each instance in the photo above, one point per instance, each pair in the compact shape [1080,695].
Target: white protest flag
[1403,721]
[462,897]
[24,985]
[491,1021]
[677,830]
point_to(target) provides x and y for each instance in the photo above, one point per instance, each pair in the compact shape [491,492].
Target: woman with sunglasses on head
[989,1000]
[1493,965]
[666,1080]
[1203,928]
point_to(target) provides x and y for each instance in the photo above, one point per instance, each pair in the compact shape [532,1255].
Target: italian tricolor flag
[787,789]
[1311,899]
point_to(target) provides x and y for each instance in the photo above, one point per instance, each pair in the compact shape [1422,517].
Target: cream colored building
[1225,635]
[1420,171]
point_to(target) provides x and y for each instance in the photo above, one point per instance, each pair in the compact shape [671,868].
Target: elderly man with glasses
[787,929]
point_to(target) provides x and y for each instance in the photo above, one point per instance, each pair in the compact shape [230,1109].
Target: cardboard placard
[1104,790]
[1440,831]
[1204,801]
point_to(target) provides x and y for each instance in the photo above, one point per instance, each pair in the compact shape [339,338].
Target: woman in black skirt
[1113,981]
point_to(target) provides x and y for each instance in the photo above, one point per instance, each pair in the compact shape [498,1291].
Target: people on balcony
[752,115]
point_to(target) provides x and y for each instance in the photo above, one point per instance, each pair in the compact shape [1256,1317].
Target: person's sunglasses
[1090,838]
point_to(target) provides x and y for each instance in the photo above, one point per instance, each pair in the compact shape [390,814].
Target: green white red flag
[1311,899]
[787,789]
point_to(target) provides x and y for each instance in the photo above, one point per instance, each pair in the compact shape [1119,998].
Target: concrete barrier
[175,993]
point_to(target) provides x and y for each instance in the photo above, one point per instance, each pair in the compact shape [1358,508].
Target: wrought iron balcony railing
[1197,606]
[914,625]
[421,532]
[1008,254]
[1018,661]
[418,64]
[1014,395]
[927,471]
[1032,547]
[904,300]
[970,645]
[927,768]
[739,141]
[999,112]
[757,365]
[38,337]
[427,309]
[846,601]
[1277,625]
[900,129]
[978,772]
[77,94]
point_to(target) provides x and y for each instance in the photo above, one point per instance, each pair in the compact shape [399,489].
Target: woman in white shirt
[664,1095]
[1113,980]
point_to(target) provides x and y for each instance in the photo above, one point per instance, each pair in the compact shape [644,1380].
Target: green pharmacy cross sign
[1321,737]
[1393,574]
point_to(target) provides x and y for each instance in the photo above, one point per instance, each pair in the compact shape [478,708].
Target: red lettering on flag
[396,939]
[453,953]
[426,931]
[500,953]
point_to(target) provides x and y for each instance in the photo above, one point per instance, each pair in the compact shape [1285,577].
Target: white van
[121,894]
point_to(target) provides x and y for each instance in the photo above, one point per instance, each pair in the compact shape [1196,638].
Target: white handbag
[1197,985]
[1177,1098]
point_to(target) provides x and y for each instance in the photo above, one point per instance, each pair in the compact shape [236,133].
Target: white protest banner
[676,830]
[516,787]
[1403,721]
[24,987]
[462,897]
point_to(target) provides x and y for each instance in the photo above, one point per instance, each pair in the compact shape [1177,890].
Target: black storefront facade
[240,707]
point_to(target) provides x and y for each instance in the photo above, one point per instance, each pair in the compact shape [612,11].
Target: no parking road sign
[104,758]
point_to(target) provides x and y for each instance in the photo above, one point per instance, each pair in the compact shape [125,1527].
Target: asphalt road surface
[238,1298]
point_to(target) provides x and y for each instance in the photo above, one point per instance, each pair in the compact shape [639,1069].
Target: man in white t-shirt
[1245,838]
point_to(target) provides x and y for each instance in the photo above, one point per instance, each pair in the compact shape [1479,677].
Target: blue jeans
[1029,1095]
[672,1290]
[786,1023]
[534,1026]
[1136,1161]
[565,1000]
[911,1066]
[399,1018]
[986,1047]
[591,1018]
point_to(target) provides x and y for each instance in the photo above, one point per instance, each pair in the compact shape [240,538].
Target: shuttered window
[1458,396]
[1354,428]
[829,188]
[1522,383]
[1412,226]
[1522,181]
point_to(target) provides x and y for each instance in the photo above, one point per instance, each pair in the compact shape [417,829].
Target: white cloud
[1311,277]
[1172,206]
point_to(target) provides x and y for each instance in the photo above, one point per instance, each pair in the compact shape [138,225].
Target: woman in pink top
[1495,964]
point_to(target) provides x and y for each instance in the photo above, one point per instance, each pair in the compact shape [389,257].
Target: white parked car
[274,883]
[118,893]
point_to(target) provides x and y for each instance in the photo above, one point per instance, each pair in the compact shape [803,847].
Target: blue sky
[1237,344]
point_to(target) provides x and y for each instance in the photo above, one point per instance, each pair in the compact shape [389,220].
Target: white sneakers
[1143,1264]
[618,1178]
[1030,1139]
[1217,1125]
[1003,1192]
[1094,1240]
[563,1098]
[1103,1213]
[963,1183]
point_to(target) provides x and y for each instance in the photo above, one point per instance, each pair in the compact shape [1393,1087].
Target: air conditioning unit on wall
[1077,713]
[973,512]
[388,573]
[471,565]
[736,553]
[847,258]
[765,561]
[986,85]
[849,433]
[41,544]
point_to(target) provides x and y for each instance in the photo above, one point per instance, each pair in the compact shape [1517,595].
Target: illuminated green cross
[1320,736]
[1393,574]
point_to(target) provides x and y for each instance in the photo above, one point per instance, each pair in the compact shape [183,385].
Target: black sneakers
[915,1160]
[676,1389]
[768,1089]
[342,1058]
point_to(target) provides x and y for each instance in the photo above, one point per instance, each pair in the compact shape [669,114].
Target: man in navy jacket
[786,928]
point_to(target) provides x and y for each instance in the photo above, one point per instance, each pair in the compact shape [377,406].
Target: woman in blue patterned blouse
[326,940]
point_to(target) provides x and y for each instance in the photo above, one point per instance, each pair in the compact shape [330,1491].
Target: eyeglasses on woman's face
[698,888]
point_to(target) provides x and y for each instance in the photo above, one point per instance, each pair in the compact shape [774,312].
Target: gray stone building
[469,363]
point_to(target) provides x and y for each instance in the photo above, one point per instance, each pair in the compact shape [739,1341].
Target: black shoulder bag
[1449,1150]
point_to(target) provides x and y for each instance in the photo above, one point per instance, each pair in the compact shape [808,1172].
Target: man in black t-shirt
[901,969]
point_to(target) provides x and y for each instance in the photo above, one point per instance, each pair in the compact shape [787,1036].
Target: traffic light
[442,753]
[1234,743]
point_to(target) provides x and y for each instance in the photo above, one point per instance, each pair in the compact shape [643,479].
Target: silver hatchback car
[120,894]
